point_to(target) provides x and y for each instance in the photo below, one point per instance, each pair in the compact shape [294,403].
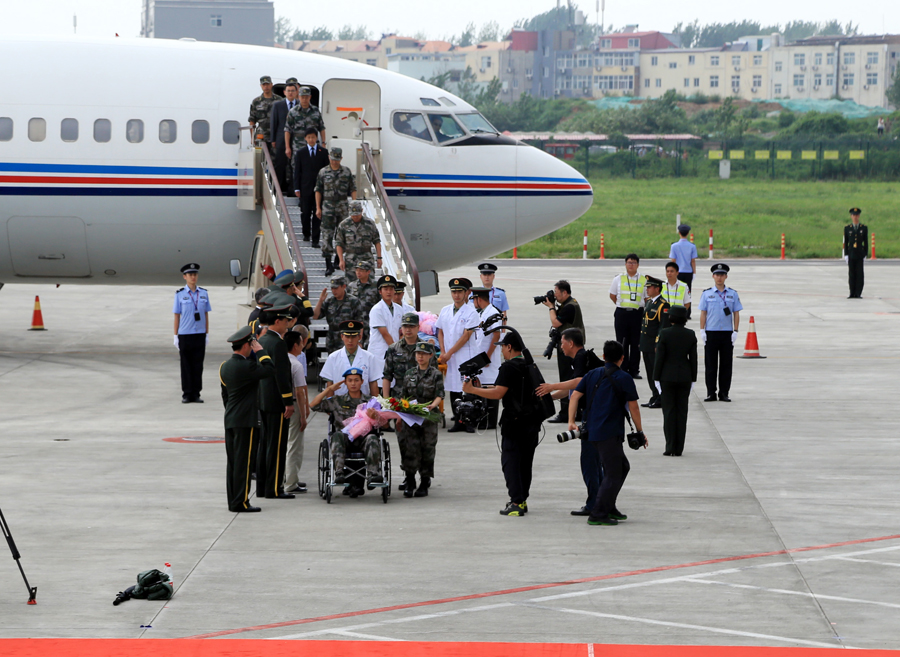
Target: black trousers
[675,398]
[719,355]
[615,470]
[856,276]
[312,225]
[238,449]
[564,366]
[192,349]
[271,455]
[628,333]
[591,471]
[284,171]
[517,445]
[649,360]
[687,277]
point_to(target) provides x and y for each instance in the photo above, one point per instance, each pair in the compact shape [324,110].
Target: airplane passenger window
[411,124]
[200,132]
[6,128]
[431,102]
[37,129]
[231,132]
[102,130]
[476,123]
[445,127]
[168,131]
[134,131]
[68,130]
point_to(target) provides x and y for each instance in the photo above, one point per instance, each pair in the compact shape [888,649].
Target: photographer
[564,315]
[488,345]
[572,344]
[606,390]
[519,423]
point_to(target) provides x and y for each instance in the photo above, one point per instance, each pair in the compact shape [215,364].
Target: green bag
[152,585]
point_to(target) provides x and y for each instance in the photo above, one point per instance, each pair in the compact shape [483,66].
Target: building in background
[226,21]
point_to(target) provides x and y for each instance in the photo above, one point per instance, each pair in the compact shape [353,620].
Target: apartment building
[733,70]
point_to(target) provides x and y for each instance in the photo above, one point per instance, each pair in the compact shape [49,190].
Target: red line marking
[535,587]
[94,180]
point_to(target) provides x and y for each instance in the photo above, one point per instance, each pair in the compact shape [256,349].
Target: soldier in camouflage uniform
[336,309]
[261,110]
[333,185]
[400,357]
[299,119]
[364,289]
[354,238]
[341,408]
[425,384]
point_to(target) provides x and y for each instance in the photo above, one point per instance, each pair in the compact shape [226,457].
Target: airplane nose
[551,194]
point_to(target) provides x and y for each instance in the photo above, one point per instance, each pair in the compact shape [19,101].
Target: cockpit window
[476,123]
[430,102]
[411,124]
[445,127]
[447,101]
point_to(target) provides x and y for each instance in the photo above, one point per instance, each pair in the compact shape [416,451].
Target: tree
[489,32]
[350,33]
[467,38]
[893,92]
[320,33]
[283,30]
[714,35]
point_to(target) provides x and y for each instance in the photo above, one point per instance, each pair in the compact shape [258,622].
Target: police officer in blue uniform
[191,332]
[498,294]
[720,315]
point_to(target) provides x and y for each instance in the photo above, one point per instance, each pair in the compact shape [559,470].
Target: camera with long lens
[555,337]
[566,436]
[550,296]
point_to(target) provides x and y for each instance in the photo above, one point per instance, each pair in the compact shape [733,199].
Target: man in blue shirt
[684,254]
[607,390]
[720,316]
[191,310]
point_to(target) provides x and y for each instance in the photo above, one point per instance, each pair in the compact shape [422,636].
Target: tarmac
[778,526]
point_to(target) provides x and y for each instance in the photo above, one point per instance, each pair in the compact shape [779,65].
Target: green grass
[747,217]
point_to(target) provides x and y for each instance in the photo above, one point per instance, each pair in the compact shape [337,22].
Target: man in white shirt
[352,355]
[628,293]
[295,341]
[384,318]
[481,297]
[456,334]
[399,291]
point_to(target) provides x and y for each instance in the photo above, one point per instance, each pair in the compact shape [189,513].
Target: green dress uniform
[261,115]
[336,186]
[675,367]
[276,395]
[341,408]
[356,239]
[418,443]
[856,241]
[240,379]
[656,318]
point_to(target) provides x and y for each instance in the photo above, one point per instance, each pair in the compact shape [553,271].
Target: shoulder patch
[707,289]
[500,289]
[202,288]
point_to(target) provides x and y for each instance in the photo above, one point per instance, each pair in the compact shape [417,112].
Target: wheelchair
[354,469]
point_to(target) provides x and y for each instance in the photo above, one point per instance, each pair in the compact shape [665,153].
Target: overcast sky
[442,19]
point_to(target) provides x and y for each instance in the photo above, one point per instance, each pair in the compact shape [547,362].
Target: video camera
[555,337]
[470,409]
[550,296]
[474,366]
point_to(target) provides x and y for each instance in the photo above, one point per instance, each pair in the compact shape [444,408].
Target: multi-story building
[225,21]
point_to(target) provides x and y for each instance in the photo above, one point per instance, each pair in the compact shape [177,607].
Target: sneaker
[525,506]
[559,419]
[513,509]
[583,511]
[602,520]
[615,514]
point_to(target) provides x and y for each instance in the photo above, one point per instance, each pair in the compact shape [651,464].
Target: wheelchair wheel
[324,471]
[328,490]
[386,491]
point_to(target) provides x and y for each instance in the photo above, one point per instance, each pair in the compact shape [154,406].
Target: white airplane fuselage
[85,198]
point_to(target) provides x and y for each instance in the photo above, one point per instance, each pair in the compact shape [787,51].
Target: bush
[786,118]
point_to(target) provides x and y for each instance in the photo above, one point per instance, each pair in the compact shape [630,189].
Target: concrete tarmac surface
[778,526]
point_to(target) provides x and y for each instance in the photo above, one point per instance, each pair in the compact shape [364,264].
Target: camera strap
[616,390]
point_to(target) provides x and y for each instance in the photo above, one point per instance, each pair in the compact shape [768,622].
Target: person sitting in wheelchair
[341,408]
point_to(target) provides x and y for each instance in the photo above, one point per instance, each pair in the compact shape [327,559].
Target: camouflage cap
[365,263]
[356,207]
[336,153]
[350,327]
[425,347]
[291,81]
[243,334]
[337,281]
[266,79]
[410,319]
[304,91]
[386,281]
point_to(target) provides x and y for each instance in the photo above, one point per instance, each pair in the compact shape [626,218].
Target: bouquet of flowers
[412,407]
[426,322]
[378,411]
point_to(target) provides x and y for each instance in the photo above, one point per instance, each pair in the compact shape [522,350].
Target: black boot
[337,262]
[410,486]
[422,490]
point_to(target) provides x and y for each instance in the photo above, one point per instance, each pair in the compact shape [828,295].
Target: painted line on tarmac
[805,594]
[534,587]
[878,563]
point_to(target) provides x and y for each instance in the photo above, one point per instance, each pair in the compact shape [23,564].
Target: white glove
[176,341]
[207,339]
[692,386]
[658,386]
[846,258]
[734,337]
[703,336]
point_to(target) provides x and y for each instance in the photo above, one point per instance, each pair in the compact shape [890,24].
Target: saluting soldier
[261,111]
[720,315]
[488,271]
[334,184]
[656,317]
[303,303]
[191,310]
[675,367]
[336,309]
[423,383]
[276,401]
[354,238]
[856,241]
[240,376]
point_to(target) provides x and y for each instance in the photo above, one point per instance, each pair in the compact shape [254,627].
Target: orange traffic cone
[751,349]
[37,319]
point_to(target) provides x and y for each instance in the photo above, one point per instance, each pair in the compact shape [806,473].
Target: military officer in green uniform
[423,383]
[303,116]
[354,238]
[400,357]
[240,376]
[856,240]
[656,317]
[276,403]
[675,367]
[334,184]
[261,111]
[337,308]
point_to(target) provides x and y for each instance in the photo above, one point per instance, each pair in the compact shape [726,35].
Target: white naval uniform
[453,326]
[489,373]
[338,363]
[381,315]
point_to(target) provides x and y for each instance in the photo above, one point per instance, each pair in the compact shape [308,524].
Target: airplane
[119,159]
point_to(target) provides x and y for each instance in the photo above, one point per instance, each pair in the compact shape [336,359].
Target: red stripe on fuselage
[92,180]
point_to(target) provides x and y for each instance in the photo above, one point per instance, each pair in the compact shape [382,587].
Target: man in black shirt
[518,427]
[564,316]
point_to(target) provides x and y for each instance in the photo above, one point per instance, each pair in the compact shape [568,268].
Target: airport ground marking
[806,594]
